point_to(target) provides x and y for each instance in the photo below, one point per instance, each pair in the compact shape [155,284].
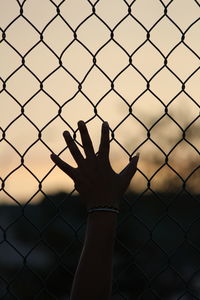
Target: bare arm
[93,278]
[98,185]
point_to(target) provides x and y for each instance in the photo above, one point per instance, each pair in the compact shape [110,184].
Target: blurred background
[59,84]
[134,64]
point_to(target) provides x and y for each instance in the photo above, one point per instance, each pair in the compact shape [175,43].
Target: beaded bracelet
[103,208]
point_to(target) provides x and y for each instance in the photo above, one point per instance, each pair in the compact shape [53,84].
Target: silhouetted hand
[94,177]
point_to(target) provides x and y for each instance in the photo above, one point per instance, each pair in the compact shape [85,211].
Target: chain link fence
[136,65]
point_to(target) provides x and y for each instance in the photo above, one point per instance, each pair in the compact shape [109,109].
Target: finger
[104,147]
[73,148]
[129,171]
[87,143]
[63,165]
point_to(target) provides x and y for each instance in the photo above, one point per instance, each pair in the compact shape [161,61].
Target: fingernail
[53,155]
[81,123]
[66,133]
[138,154]
[136,157]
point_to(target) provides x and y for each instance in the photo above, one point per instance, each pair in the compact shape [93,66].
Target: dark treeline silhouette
[157,248]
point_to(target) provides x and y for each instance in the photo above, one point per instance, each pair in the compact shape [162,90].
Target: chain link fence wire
[136,65]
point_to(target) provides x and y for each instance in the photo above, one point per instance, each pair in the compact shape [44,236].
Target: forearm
[93,277]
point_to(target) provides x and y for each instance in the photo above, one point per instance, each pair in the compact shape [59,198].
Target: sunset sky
[129,85]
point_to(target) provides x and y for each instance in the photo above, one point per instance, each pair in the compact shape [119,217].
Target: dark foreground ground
[157,249]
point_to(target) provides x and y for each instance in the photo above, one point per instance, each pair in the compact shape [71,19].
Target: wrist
[101,219]
[96,201]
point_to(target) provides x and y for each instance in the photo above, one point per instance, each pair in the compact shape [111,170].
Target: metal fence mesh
[45,46]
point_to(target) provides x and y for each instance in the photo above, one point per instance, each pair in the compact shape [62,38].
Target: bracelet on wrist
[103,208]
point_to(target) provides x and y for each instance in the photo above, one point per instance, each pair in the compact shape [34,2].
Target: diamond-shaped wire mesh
[136,65]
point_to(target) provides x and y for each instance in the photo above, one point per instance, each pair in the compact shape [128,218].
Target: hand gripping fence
[157,250]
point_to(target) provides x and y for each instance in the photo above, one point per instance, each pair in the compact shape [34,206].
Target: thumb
[128,172]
